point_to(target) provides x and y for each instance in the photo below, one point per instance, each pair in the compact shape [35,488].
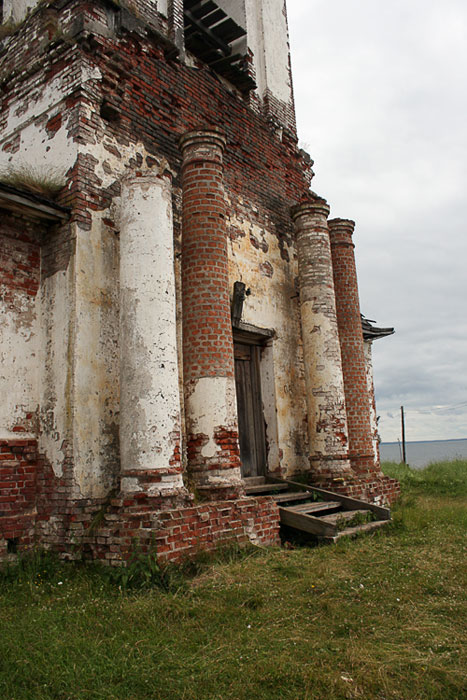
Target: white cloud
[381,101]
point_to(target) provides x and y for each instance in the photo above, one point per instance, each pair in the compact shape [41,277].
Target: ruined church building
[178,312]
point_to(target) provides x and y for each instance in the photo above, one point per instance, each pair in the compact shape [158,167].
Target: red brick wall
[18,478]
[156,100]
[19,283]
[377,488]
[19,255]
[182,533]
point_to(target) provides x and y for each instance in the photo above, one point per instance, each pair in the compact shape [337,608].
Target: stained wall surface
[96,94]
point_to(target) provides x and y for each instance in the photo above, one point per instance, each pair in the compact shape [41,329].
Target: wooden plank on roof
[229,31]
[214,18]
[213,38]
[219,63]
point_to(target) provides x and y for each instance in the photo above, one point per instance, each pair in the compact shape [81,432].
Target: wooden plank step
[265,488]
[292,496]
[366,527]
[306,523]
[342,516]
[347,502]
[254,480]
[317,507]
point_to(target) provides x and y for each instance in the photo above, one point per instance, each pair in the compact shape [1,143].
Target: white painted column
[327,419]
[367,347]
[149,388]
[16,10]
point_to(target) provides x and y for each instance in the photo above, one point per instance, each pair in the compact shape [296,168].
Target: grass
[379,617]
[44,181]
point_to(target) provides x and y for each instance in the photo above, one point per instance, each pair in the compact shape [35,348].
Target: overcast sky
[381,99]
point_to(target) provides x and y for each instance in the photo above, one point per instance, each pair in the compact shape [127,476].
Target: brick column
[327,422]
[208,361]
[150,421]
[351,339]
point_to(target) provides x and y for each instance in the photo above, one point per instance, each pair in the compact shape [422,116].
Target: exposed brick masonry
[327,424]
[351,340]
[208,363]
[18,472]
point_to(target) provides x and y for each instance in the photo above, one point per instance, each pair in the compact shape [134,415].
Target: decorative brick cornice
[311,207]
[341,232]
[203,144]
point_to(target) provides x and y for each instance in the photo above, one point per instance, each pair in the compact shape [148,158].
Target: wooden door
[251,429]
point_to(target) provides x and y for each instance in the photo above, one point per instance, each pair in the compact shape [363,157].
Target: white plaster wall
[27,118]
[268,396]
[268,39]
[210,405]
[19,344]
[162,7]
[95,360]
[56,351]
[16,10]
[234,9]
[272,304]
[367,346]
[150,399]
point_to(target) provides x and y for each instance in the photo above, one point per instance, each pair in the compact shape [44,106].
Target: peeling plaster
[326,402]
[95,360]
[367,348]
[266,23]
[16,10]
[27,117]
[56,390]
[273,304]
[211,404]
[18,361]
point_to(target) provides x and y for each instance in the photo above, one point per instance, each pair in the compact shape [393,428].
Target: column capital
[311,205]
[203,144]
[341,231]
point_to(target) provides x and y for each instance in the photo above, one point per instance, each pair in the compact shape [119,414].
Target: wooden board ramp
[324,514]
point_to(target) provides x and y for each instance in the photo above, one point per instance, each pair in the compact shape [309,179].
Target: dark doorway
[251,428]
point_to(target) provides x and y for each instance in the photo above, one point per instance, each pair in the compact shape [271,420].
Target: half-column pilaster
[351,339]
[208,360]
[327,422]
[150,415]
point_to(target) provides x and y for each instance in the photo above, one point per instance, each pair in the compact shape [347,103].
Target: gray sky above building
[381,99]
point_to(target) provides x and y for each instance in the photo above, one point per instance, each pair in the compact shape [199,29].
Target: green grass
[45,181]
[379,617]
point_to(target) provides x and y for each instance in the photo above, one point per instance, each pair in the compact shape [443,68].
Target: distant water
[419,454]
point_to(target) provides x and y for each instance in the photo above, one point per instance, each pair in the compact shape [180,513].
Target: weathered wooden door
[251,429]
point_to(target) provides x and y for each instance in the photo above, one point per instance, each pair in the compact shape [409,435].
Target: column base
[364,464]
[330,468]
[163,483]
